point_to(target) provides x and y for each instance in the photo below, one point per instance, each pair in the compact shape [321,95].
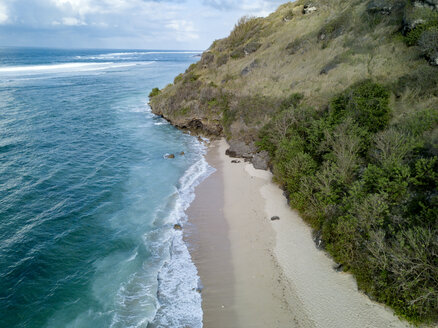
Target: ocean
[88,199]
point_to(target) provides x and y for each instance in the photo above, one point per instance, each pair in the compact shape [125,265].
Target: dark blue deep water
[87,199]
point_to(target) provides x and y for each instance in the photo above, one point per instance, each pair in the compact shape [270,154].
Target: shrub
[207,58]
[428,43]
[154,92]
[417,21]
[369,187]
[221,60]
[423,80]
[178,78]
[190,77]
[238,53]
[292,101]
[418,122]
[334,28]
[367,102]
[245,29]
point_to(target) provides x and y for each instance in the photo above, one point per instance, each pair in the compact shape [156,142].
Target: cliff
[340,99]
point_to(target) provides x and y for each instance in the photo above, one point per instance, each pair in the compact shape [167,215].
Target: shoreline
[261,273]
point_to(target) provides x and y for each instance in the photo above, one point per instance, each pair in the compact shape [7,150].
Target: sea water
[88,199]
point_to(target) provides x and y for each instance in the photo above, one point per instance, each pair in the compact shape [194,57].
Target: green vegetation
[346,105]
[246,28]
[421,30]
[154,92]
[370,187]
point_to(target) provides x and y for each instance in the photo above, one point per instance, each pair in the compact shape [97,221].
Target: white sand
[263,273]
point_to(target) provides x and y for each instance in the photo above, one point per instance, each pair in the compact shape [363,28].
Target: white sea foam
[178,280]
[173,300]
[133,54]
[65,67]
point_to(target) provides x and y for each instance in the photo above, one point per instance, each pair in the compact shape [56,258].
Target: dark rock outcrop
[327,68]
[308,9]
[251,47]
[240,148]
[382,7]
[338,267]
[248,69]
[261,160]
[317,238]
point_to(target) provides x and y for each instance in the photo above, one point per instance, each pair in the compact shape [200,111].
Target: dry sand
[262,273]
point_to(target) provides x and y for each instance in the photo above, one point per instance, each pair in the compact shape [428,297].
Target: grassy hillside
[342,97]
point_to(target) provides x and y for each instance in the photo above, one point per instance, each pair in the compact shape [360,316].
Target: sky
[123,24]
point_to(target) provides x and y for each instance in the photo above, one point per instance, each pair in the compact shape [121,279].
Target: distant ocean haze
[87,198]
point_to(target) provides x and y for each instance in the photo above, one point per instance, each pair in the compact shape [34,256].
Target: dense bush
[428,43]
[421,29]
[154,92]
[369,186]
[423,81]
[366,102]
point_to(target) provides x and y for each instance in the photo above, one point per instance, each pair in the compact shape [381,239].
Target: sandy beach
[261,273]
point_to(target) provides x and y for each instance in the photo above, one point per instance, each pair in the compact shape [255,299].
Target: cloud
[222,4]
[165,24]
[80,7]
[184,30]
[69,21]
[256,7]
[3,13]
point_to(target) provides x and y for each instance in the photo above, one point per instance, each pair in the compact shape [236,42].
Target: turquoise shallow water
[87,199]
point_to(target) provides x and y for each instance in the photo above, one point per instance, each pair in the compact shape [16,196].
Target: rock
[308,9]
[327,68]
[382,7]
[317,238]
[200,287]
[245,71]
[234,161]
[338,267]
[432,4]
[177,227]
[182,153]
[207,58]
[248,69]
[298,45]
[239,148]
[260,160]
[275,218]
[170,156]
[251,47]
